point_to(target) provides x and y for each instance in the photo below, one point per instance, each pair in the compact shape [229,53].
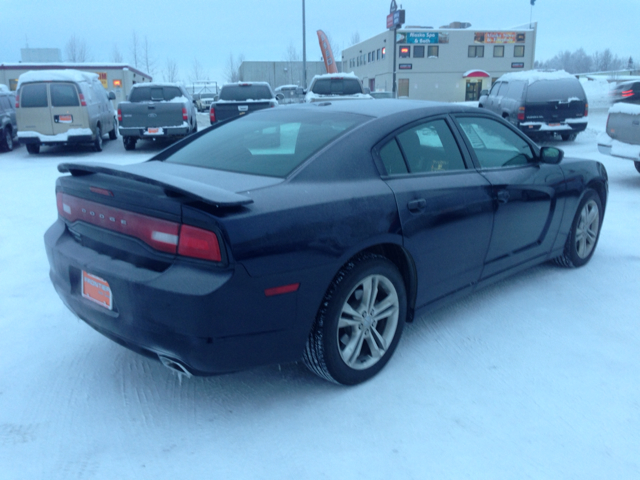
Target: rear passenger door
[445,208]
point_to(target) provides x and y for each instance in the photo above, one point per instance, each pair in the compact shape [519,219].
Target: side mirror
[551,155]
[111,95]
[279,97]
[484,92]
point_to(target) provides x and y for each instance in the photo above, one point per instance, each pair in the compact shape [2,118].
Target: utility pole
[304,49]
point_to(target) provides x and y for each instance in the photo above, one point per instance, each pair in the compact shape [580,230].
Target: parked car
[204,101]
[622,136]
[313,233]
[290,94]
[628,92]
[238,99]
[540,103]
[8,125]
[336,86]
[381,95]
[156,111]
[63,107]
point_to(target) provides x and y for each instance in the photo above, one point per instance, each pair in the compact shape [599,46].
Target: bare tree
[148,61]
[232,70]
[135,49]
[292,58]
[76,50]
[170,73]
[116,55]
[355,38]
[198,73]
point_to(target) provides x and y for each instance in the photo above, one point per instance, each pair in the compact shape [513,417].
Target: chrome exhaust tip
[175,366]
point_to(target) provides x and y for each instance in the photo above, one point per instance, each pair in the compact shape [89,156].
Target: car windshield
[548,90]
[336,86]
[272,145]
[242,93]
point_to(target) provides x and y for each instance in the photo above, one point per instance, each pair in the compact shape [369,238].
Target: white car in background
[622,136]
[336,86]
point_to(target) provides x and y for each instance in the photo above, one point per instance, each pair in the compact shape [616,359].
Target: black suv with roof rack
[540,103]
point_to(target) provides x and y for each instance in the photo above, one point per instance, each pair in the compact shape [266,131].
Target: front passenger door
[526,193]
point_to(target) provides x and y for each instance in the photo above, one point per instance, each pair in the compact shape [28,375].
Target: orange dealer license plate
[97,290]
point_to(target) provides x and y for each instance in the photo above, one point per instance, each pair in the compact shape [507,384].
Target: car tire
[129,143]
[33,148]
[569,137]
[113,134]
[7,139]
[637,165]
[97,143]
[584,233]
[349,342]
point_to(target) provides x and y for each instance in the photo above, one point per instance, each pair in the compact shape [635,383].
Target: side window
[392,158]
[495,88]
[418,51]
[430,147]
[34,95]
[516,89]
[494,144]
[504,88]
[64,95]
[518,51]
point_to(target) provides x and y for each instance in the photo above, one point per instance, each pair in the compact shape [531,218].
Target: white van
[61,107]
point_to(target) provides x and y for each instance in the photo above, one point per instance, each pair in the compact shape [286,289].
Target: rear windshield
[242,93]
[548,90]
[148,94]
[271,144]
[336,86]
[34,95]
[64,95]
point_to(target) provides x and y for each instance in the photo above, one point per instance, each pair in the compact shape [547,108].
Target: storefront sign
[423,37]
[103,79]
[517,65]
[499,37]
[405,66]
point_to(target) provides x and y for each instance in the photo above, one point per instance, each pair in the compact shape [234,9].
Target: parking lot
[534,377]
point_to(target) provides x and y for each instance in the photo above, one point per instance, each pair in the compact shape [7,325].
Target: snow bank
[69,75]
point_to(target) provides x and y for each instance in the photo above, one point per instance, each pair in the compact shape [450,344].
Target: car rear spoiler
[156,176]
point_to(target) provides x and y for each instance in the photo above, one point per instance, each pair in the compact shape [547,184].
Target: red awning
[475,73]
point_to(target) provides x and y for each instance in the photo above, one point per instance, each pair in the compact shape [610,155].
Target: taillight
[586,109]
[82,102]
[521,114]
[162,235]
[198,243]
[184,114]
[17,101]
[120,115]
[212,115]
[627,93]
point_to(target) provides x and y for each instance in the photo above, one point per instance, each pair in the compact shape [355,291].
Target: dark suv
[628,92]
[238,99]
[8,127]
[540,103]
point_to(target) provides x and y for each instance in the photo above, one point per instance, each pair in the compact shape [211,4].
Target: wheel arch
[601,190]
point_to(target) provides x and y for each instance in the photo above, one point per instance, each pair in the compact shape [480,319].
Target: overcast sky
[212,30]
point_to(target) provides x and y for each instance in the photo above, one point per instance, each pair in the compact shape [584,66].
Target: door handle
[417,206]
[503,196]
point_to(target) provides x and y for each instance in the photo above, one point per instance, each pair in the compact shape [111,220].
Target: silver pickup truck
[622,136]
[156,111]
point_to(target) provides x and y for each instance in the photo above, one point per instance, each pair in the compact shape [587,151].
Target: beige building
[116,77]
[451,64]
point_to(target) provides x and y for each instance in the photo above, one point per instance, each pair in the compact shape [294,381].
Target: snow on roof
[532,76]
[628,108]
[337,75]
[156,84]
[53,75]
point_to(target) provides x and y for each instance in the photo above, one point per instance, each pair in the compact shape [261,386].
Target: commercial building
[281,73]
[118,77]
[452,63]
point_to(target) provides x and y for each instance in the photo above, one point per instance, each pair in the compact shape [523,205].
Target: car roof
[383,107]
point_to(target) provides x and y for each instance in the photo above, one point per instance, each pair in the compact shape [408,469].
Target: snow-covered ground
[535,377]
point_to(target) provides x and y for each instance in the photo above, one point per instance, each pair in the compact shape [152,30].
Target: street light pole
[304,49]
[393,87]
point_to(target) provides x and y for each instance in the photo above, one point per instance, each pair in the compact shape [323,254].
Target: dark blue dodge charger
[313,232]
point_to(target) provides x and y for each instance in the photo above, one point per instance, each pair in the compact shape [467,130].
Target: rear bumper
[141,132]
[559,127]
[615,148]
[79,135]
[210,320]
